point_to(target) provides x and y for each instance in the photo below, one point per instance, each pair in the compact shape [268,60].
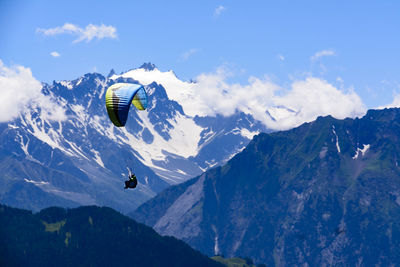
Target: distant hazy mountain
[87,236]
[83,160]
[324,194]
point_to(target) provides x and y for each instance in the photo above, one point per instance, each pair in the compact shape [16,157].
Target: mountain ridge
[323,193]
[87,236]
[84,159]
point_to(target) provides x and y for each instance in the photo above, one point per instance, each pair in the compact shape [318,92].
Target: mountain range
[82,159]
[326,193]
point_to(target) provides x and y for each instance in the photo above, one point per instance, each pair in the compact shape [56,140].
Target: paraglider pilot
[132,182]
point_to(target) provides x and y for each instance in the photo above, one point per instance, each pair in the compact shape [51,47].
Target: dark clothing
[131,183]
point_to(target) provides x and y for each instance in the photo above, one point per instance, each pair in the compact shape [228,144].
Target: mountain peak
[148,66]
[112,72]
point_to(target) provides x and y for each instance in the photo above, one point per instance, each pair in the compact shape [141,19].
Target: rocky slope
[325,193]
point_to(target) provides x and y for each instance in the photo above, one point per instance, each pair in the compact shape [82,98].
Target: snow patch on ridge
[363,151]
[79,81]
[66,84]
[185,135]
[97,157]
[337,138]
[24,147]
[52,138]
[35,182]
[11,126]
[102,84]
[248,134]
[177,90]
[42,130]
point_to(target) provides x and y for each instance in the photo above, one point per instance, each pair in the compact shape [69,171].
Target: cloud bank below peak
[20,90]
[279,108]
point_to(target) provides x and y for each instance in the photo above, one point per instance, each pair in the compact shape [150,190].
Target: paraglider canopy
[119,97]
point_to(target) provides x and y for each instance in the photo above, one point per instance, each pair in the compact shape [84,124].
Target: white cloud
[276,106]
[315,97]
[20,90]
[323,53]
[55,54]
[216,96]
[219,10]
[304,101]
[88,33]
[188,54]
[394,104]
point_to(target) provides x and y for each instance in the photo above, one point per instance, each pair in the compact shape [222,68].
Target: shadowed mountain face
[87,236]
[325,193]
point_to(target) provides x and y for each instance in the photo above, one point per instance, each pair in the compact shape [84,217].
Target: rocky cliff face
[325,193]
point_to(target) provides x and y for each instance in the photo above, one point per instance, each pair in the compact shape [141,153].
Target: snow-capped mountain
[83,160]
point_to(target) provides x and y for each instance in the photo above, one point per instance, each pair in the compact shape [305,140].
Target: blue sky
[350,44]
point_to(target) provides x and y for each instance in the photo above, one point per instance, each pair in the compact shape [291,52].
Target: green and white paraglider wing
[119,98]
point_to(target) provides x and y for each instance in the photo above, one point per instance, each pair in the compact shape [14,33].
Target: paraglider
[119,97]
[132,182]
